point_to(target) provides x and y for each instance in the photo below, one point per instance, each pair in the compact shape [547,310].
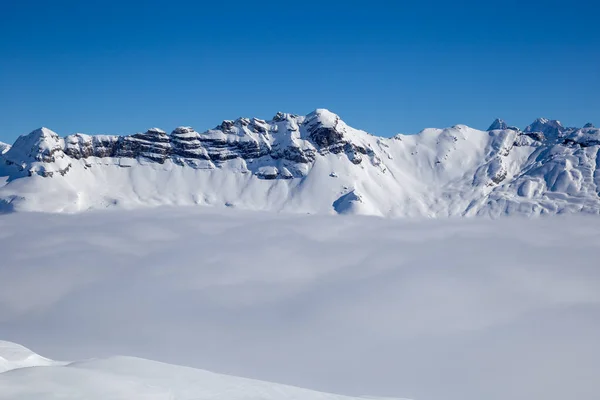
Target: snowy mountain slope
[315,164]
[133,378]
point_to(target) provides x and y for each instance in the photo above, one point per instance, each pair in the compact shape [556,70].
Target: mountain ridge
[314,163]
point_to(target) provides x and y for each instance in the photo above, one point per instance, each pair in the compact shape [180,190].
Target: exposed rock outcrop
[286,140]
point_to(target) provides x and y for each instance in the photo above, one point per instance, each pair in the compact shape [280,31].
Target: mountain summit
[498,124]
[551,128]
[314,163]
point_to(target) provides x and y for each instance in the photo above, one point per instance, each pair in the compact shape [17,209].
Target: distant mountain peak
[40,135]
[541,123]
[498,124]
[550,128]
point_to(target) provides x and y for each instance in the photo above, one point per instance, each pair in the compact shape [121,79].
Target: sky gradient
[384,66]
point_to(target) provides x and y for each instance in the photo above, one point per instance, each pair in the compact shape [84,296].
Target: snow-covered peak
[588,125]
[323,117]
[42,137]
[42,132]
[498,124]
[281,117]
[157,130]
[4,147]
[551,128]
[325,128]
[41,144]
[184,132]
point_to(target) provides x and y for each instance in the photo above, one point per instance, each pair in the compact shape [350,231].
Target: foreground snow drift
[13,356]
[428,310]
[133,378]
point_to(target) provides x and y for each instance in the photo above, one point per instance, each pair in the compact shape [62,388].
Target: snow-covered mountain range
[311,164]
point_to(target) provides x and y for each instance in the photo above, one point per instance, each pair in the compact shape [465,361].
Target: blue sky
[384,66]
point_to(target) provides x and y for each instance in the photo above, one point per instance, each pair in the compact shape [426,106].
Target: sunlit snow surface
[449,309]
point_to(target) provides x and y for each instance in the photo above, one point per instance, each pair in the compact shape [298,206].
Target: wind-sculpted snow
[311,164]
[460,309]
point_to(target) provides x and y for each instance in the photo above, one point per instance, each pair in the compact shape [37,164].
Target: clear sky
[384,66]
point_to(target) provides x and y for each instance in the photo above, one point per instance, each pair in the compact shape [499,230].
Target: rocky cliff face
[284,142]
[326,166]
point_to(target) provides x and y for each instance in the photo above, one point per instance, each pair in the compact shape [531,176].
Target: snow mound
[353,203]
[132,378]
[14,356]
